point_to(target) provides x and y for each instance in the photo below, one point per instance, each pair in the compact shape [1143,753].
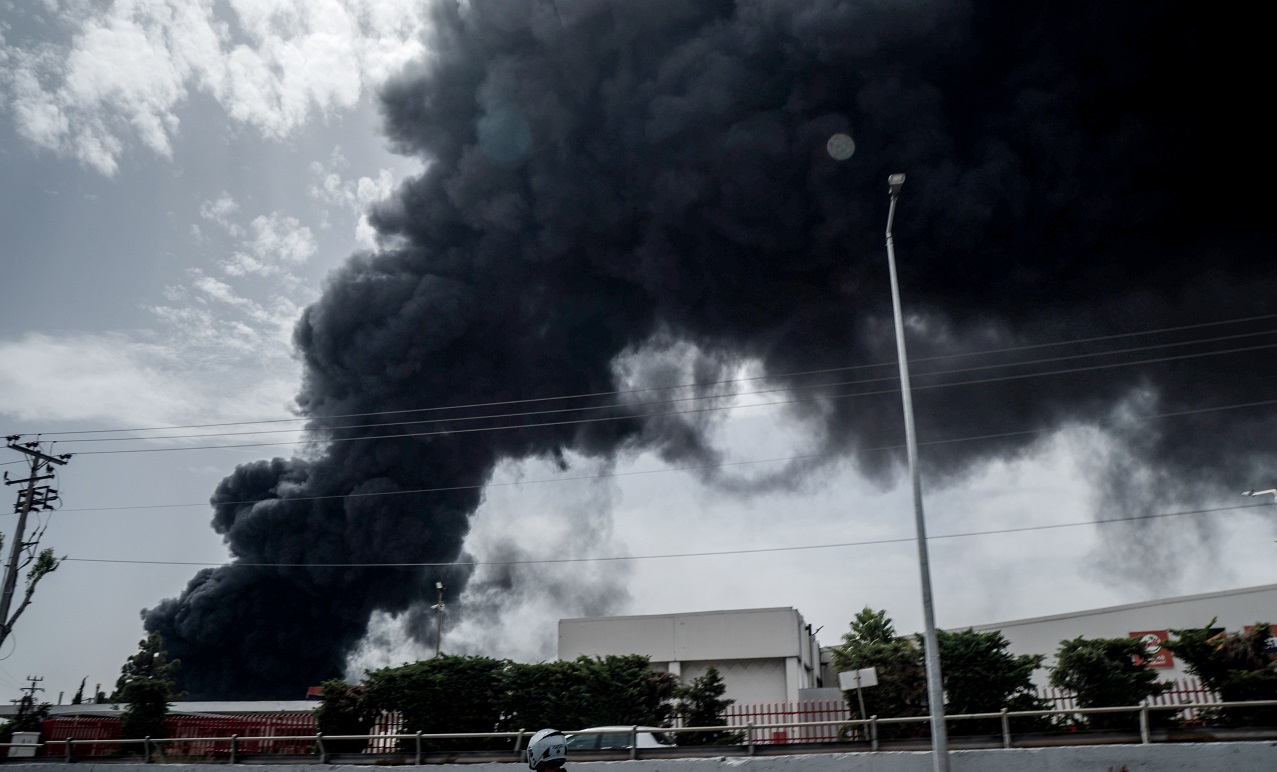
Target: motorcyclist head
[548,749]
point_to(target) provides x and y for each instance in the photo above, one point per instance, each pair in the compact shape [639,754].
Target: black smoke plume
[610,179]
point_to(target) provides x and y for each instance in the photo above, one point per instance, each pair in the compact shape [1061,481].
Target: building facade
[1152,621]
[763,655]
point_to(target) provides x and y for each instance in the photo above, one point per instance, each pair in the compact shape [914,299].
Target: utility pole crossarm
[33,449]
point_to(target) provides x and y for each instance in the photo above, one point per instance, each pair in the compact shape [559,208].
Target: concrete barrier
[1195,757]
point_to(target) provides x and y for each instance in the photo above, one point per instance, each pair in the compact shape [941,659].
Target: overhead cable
[667,469]
[673,400]
[678,555]
[503,403]
[569,422]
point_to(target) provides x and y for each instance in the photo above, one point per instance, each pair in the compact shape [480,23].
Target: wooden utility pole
[31,497]
[26,703]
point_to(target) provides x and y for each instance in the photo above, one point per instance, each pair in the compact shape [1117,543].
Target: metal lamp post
[935,686]
[1270,491]
[438,609]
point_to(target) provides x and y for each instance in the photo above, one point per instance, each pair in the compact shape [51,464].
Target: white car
[615,738]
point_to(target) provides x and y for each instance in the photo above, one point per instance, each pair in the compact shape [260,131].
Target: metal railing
[855,734]
[868,728]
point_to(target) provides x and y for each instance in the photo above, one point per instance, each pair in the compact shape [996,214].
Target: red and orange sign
[1158,655]
[1270,646]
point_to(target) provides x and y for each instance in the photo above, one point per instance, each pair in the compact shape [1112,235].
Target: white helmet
[546,746]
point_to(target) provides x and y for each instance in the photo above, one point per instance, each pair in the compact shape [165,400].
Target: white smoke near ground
[520,590]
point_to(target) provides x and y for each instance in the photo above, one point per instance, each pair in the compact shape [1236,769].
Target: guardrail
[858,734]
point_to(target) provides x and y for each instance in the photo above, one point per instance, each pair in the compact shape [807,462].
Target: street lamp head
[438,585]
[894,183]
[1250,492]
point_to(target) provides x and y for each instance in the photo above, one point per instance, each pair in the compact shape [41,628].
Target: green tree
[533,696]
[344,711]
[479,694]
[78,699]
[586,692]
[1236,666]
[701,703]
[1107,672]
[41,566]
[29,718]
[446,694]
[982,676]
[145,688]
[902,689]
[618,690]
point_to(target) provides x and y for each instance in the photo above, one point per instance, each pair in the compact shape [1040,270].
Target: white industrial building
[770,655]
[763,655]
[1232,610]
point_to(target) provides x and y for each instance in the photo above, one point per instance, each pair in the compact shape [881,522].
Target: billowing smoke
[611,183]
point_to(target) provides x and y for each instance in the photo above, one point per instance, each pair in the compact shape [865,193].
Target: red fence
[55,729]
[1187,692]
[790,712]
[247,725]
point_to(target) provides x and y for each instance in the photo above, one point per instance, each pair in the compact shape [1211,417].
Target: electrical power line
[674,400]
[569,422]
[677,555]
[665,470]
[1008,349]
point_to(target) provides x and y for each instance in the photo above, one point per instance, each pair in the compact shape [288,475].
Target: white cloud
[275,241]
[218,290]
[240,264]
[217,318]
[328,186]
[221,348]
[280,239]
[129,67]
[126,380]
[220,210]
[365,234]
[216,354]
[369,191]
[86,377]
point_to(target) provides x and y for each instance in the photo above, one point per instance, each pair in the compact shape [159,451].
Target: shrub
[701,703]
[1236,666]
[1108,672]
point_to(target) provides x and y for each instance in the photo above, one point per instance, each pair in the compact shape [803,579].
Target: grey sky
[126,302]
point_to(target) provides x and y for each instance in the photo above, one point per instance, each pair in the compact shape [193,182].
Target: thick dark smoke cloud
[608,181]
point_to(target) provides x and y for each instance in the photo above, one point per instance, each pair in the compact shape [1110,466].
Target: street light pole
[438,608]
[1270,491]
[935,685]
